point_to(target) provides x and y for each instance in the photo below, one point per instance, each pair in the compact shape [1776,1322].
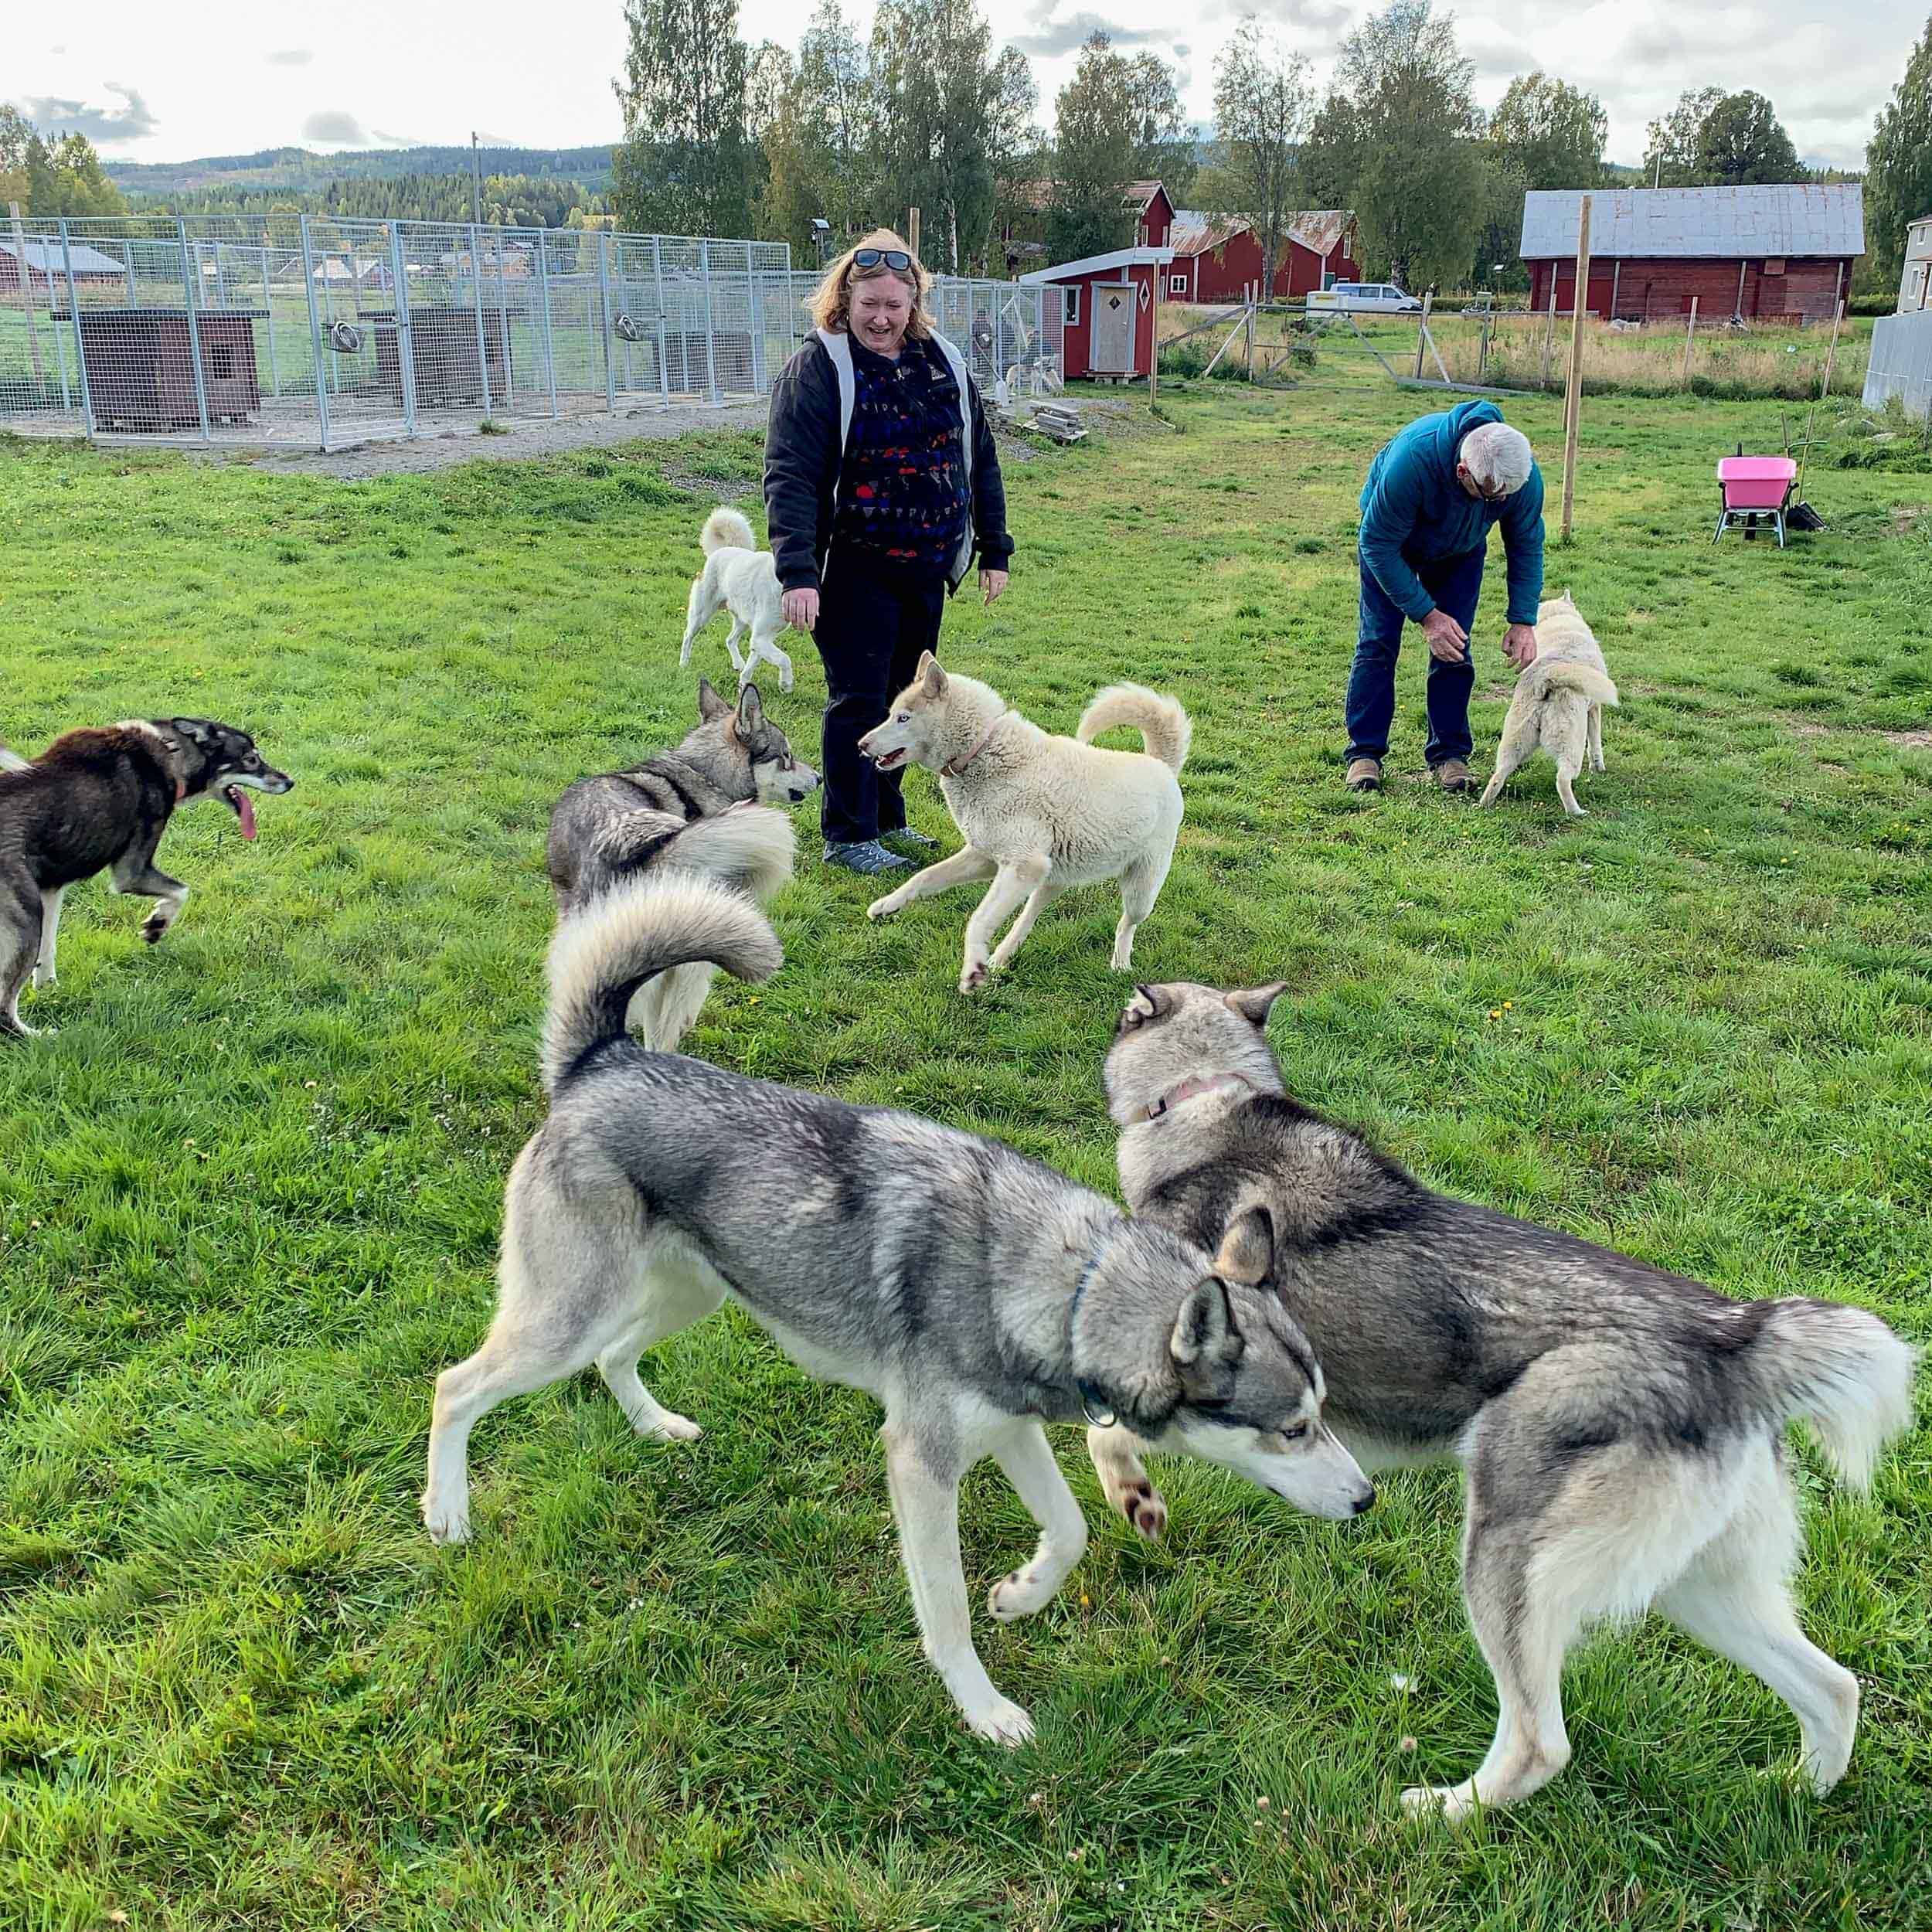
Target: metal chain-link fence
[305,329]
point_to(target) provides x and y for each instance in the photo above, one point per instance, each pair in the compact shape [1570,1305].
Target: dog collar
[954,766]
[1191,1088]
[1094,1405]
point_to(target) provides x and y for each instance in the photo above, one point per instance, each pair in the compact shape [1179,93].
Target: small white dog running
[1039,813]
[1558,704]
[740,577]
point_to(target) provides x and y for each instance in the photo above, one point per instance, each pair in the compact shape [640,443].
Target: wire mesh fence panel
[316,329]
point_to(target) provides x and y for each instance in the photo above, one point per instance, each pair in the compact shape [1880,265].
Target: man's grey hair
[1498,457]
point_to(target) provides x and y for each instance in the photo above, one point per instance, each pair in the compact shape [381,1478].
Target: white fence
[304,329]
[1901,364]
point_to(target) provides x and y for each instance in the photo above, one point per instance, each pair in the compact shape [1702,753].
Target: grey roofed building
[45,256]
[1798,218]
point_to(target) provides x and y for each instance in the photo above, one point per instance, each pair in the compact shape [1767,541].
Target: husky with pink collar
[1039,813]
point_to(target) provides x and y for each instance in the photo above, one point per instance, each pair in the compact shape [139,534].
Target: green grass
[249,1197]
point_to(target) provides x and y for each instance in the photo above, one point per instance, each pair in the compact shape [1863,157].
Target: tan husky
[1559,704]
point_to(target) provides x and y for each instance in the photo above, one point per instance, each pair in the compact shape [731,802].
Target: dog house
[444,359]
[140,366]
[1106,310]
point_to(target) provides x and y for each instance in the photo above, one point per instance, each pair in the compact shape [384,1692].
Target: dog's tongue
[244,811]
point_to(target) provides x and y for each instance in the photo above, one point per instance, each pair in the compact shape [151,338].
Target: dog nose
[1365,1500]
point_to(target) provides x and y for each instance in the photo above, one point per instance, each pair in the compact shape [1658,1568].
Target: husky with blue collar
[977,1295]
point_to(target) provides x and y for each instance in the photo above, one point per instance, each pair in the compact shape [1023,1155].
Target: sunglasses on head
[894,258]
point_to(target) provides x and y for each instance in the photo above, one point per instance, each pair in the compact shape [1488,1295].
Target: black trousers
[872,628]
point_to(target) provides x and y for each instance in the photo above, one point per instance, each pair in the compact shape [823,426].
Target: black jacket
[802,460]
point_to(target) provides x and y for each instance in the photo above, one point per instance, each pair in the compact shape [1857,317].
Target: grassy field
[249,1198]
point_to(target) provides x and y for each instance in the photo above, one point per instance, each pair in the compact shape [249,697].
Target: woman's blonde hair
[830,303]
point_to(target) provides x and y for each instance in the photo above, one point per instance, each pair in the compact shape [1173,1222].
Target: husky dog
[1558,704]
[697,809]
[740,577]
[1038,814]
[100,798]
[976,1294]
[1620,1428]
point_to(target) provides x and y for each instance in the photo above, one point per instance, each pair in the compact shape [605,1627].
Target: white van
[1364,298]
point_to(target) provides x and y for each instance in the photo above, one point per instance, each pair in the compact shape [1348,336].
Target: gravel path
[523,441]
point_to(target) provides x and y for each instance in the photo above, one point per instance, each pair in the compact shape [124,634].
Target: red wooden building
[1153,216]
[1777,252]
[1218,260]
[1107,311]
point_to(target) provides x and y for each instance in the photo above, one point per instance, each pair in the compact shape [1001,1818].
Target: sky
[229,76]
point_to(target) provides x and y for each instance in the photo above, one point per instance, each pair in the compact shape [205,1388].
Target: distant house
[47,264]
[1915,280]
[1022,234]
[1779,252]
[1217,259]
[1153,212]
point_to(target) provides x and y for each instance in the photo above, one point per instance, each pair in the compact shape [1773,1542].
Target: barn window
[1070,305]
[1177,284]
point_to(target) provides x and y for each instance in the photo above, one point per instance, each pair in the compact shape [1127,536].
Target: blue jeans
[1455,582]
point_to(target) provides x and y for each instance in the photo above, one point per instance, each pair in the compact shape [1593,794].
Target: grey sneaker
[866,856]
[905,838]
[1364,774]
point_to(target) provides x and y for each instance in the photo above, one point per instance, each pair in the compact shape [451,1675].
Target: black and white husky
[976,1294]
[1620,1428]
[696,809]
[103,798]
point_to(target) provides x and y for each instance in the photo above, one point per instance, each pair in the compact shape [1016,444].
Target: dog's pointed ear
[194,729]
[1252,1002]
[751,712]
[710,705]
[1247,1249]
[930,675]
[1206,1345]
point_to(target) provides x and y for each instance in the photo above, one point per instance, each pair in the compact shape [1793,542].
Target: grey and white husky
[1621,1428]
[693,810]
[976,1294]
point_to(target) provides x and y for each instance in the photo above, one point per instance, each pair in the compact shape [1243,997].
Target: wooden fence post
[1422,333]
[1690,337]
[1549,330]
[1153,355]
[1573,408]
[912,231]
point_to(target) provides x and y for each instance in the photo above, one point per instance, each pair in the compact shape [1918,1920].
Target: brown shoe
[1364,774]
[1453,775]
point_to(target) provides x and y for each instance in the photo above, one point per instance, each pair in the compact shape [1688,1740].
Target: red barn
[1777,252]
[1218,260]
[1153,212]
[47,263]
[1107,311]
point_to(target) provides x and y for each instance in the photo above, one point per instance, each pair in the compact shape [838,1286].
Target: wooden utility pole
[912,231]
[1574,405]
[1690,337]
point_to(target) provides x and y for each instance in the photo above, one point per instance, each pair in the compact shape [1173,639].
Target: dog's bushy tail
[1846,1373]
[726,529]
[751,847]
[636,929]
[1546,677]
[1167,728]
[10,760]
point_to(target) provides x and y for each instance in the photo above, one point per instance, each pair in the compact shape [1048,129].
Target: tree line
[924,110]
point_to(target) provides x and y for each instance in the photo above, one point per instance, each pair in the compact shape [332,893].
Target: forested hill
[296,170]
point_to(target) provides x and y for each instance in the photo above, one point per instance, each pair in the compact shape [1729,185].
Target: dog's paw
[153,927]
[1000,1722]
[1451,1803]
[784,679]
[447,1522]
[884,908]
[1015,1596]
[974,976]
[1145,1508]
[666,1427]
[43,980]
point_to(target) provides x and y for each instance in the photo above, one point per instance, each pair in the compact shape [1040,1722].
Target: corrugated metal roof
[1319,230]
[43,255]
[1777,218]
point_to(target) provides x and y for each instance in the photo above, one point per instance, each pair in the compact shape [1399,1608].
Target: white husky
[1039,813]
[1558,703]
[740,577]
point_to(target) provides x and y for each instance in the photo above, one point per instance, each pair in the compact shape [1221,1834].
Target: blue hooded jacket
[1413,511]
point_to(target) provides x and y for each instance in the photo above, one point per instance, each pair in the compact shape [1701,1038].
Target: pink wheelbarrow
[1751,489]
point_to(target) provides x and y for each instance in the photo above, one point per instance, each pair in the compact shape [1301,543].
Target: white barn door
[1114,314]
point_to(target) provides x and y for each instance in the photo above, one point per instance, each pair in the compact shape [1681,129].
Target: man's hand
[1520,645]
[800,609]
[992,582]
[1448,639]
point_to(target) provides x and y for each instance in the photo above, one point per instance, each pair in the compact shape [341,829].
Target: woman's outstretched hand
[992,582]
[800,609]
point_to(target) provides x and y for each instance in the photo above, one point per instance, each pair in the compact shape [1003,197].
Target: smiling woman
[881,482]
